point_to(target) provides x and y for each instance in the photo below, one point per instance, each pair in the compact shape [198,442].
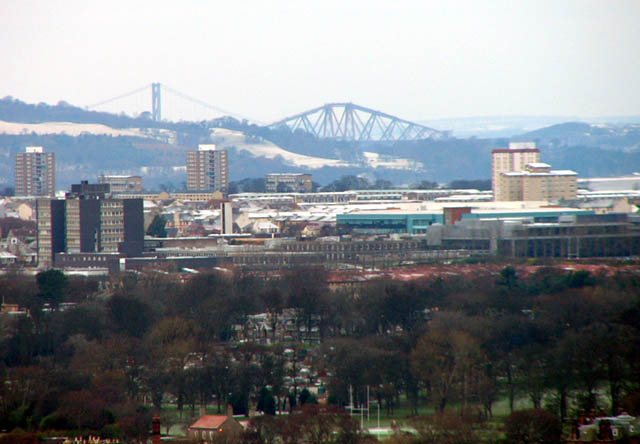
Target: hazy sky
[269,59]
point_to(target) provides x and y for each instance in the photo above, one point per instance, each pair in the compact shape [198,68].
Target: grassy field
[402,414]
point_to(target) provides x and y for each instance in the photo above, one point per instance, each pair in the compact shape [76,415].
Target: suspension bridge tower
[156,109]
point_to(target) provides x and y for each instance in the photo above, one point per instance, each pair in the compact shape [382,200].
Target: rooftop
[288,174]
[209,422]
[550,173]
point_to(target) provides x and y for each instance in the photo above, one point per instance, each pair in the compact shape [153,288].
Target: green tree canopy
[52,285]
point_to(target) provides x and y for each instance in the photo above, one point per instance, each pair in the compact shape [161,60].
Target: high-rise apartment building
[35,172]
[207,169]
[88,220]
[50,217]
[513,159]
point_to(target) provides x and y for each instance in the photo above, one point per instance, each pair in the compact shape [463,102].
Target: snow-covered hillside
[225,138]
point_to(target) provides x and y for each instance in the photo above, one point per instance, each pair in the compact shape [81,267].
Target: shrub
[532,426]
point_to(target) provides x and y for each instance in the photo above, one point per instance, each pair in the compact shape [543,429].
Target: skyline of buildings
[104,221]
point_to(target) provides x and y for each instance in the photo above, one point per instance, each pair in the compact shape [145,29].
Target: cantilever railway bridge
[338,121]
[348,121]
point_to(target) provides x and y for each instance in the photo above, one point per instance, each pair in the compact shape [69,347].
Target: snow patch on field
[68,128]
[225,138]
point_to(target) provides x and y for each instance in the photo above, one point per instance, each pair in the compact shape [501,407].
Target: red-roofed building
[213,428]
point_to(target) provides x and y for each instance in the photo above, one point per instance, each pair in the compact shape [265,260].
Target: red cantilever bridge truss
[348,121]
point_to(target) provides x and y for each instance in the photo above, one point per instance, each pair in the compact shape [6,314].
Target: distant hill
[624,137]
[119,144]
[14,110]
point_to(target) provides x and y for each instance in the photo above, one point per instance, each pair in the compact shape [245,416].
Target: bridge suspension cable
[121,96]
[207,105]
[157,99]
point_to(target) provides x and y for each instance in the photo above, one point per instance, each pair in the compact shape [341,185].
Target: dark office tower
[89,221]
[133,228]
[50,215]
[35,172]
[98,223]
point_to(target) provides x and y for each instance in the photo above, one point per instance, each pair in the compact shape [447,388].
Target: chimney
[229,411]
[155,430]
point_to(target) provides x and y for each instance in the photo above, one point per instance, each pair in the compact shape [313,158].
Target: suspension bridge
[161,102]
[338,121]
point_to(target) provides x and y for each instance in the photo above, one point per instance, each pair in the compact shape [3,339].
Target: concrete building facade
[122,184]
[288,182]
[50,218]
[35,172]
[88,220]
[513,159]
[207,169]
[538,182]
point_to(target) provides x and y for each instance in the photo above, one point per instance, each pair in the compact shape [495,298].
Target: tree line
[558,340]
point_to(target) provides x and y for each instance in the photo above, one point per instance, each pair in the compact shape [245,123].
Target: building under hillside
[35,172]
[207,169]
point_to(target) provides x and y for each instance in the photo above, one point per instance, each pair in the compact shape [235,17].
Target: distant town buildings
[620,183]
[35,172]
[88,220]
[207,169]
[519,175]
[101,226]
[288,182]
[122,184]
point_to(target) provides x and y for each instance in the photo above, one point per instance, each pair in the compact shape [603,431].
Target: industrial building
[35,172]
[417,219]
[610,184]
[569,236]
[207,169]
[122,184]
[288,182]
[546,235]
